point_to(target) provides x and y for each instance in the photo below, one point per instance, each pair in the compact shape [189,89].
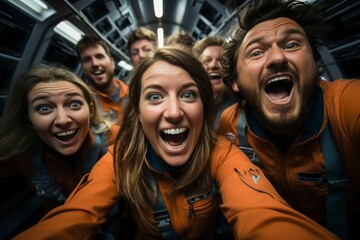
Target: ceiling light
[160,36]
[158,8]
[124,65]
[35,8]
[69,31]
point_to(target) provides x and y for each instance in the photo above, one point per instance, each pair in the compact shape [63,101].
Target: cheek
[148,119]
[197,115]
[83,118]
[248,73]
[42,127]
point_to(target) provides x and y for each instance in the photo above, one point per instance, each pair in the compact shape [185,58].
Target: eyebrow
[158,86]
[43,97]
[284,33]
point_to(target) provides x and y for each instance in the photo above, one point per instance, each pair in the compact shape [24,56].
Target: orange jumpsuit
[109,108]
[65,172]
[295,172]
[252,206]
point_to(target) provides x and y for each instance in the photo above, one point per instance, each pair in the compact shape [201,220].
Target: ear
[113,62]
[92,110]
[235,86]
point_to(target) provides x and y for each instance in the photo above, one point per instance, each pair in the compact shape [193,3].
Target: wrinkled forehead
[273,27]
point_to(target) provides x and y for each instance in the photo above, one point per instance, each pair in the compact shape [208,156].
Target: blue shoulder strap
[243,142]
[241,126]
[161,214]
[338,184]
[97,150]
[44,184]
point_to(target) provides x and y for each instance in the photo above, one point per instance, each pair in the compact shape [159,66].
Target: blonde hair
[16,134]
[131,144]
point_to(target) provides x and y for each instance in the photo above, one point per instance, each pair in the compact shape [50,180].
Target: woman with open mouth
[51,134]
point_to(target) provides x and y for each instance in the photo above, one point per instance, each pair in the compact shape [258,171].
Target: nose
[141,53]
[173,111]
[276,58]
[62,118]
[94,62]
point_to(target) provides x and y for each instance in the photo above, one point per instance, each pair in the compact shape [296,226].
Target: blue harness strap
[243,142]
[44,184]
[338,184]
[97,150]
[161,214]
[241,126]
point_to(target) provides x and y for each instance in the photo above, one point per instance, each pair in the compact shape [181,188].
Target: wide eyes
[188,95]
[260,49]
[292,45]
[76,104]
[154,96]
[46,108]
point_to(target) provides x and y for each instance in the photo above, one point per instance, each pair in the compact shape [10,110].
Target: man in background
[142,43]
[98,67]
[208,51]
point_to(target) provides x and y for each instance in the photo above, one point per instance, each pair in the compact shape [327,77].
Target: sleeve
[228,123]
[348,109]
[84,210]
[252,206]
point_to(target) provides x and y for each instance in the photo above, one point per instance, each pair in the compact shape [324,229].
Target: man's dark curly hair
[308,16]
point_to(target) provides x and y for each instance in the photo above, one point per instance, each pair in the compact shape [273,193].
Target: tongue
[174,140]
[65,138]
[278,93]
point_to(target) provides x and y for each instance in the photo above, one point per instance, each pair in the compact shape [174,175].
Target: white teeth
[214,74]
[278,79]
[174,131]
[61,134]
[97,72]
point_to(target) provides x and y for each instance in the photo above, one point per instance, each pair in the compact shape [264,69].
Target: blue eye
[75,104]
[292,45]
[256,53]
[189,95]
[154,96]
[43,108]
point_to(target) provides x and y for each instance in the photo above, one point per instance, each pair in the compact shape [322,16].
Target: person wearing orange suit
[301,130]
[99,68]
[51,134]
[173,170]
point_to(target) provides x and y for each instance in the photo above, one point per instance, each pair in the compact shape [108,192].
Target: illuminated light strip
[69,31]
[158,8]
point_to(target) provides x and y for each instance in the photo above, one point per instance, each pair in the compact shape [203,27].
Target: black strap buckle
[163,219]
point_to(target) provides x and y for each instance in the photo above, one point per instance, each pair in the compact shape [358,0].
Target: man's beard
[102,86]
[285,121]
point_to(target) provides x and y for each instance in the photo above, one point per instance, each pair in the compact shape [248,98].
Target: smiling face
[98,66]
[210,58]
[171,112]
[60,115]
[277,74]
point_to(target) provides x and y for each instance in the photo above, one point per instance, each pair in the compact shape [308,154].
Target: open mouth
[215,76]
[174,137]
[279,88]
[66,135]
[98,72]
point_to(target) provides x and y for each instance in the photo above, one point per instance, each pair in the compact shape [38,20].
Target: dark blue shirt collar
[160,165]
